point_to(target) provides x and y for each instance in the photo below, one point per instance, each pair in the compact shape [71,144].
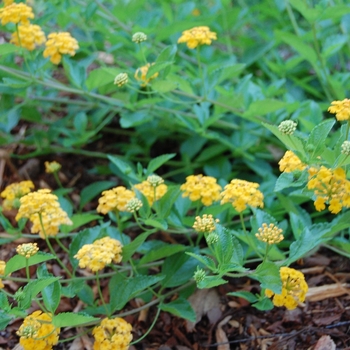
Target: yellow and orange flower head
[44,211]
[341,109]
[329,186]
[12,193]
[2,271]
[290,162]
[241,193]
[203,188]
[97,255]
[112,334]
[115,199]
[197,36]
[8,2]
[30,36]
[59,44]
[152,190]
[38,332]
[294,289]
[141,73]
[16,13]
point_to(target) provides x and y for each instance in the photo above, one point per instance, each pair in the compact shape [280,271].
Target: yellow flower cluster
[29,36]
[38,332]
[270,234]
[205,224]
[8,2]
[290,162]
[52,167]
[12,193]
[16,13]
[112,334]
[341,109]
[199,187]
[294,289]
[27,249]
[43,210]
[114,199]
[2,272]
[197,36]
[97,255]
[242,193]
[329,186]
[141,73]
[151,192]
[59,44]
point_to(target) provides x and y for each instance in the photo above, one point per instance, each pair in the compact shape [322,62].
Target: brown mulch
[223,322]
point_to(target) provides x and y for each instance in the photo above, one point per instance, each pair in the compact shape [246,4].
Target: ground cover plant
[147,158]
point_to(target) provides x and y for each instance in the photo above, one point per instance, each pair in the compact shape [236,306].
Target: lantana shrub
[228,111]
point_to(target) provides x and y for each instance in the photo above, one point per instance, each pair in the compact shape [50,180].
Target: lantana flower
[197,36]
[30,36]
[52,167]
[112,334]
[294,289]
[341,109]
[205,223]
[152,190]
[114,199]
[16,13]
[44,211]
[241,193]
[12,193]
[290,162]
[27,249]
[203,188]
[59,44]
[270,234]
[141,74]
[97,255]
[329,186]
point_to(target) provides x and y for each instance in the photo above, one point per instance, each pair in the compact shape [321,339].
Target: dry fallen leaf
[327,291]
[221,337]
[203,302]
[325,343]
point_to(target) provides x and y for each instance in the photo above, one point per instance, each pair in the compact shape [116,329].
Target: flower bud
[345,148]
[121,79]
[139,37]
[287,127]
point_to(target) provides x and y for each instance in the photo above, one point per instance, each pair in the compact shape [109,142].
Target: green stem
[61,245]
[149,329]
[27,270]
[250,242]
[142,53]
[292,18]
[22,50]
[100,294]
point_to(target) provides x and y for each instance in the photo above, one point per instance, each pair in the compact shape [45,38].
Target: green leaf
[52,293]
[263,107]
[178,269]
[161,224]
[309,13]
[304,49]
[72,319]
[181,308]
[166,203]
[5,319]
[210,282]
[291,142]
[163,85]
[206,261]
[318,137]
[130,249]
[157,67]
[162,251]
[267,273]
[125,170]
[18,262]
[224,247]
[129,288]
[157,162]
[167,54]
[32,289]
[101,76]
[264,304]
[245,295]
[80,220]
[4,303]
[288,180]
[6,49]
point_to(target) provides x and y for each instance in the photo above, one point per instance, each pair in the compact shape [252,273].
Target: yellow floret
[30,36]
[197,36]
[115,199]
[16,13]
[341,109]
[152,193]
[290,162]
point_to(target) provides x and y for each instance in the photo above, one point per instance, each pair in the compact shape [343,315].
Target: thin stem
[250,242]
[101,295]
[142,53]
[27,270]
[61,245]
[149,329]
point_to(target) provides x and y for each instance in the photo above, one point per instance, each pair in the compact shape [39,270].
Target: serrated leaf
[288,180]
[130,249]
[210,282]
[264,304]
[161,252]
[157,67]
[129,288]
[72,319]
[6,49]
[206,261]
[181,308]
[125,169]
[263,107]
[245,295]
[5,319]
[224,247]
[91,191]
[291,142]
[318,137]
[163,85]
[157,162]
[18,262]
[267,273]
